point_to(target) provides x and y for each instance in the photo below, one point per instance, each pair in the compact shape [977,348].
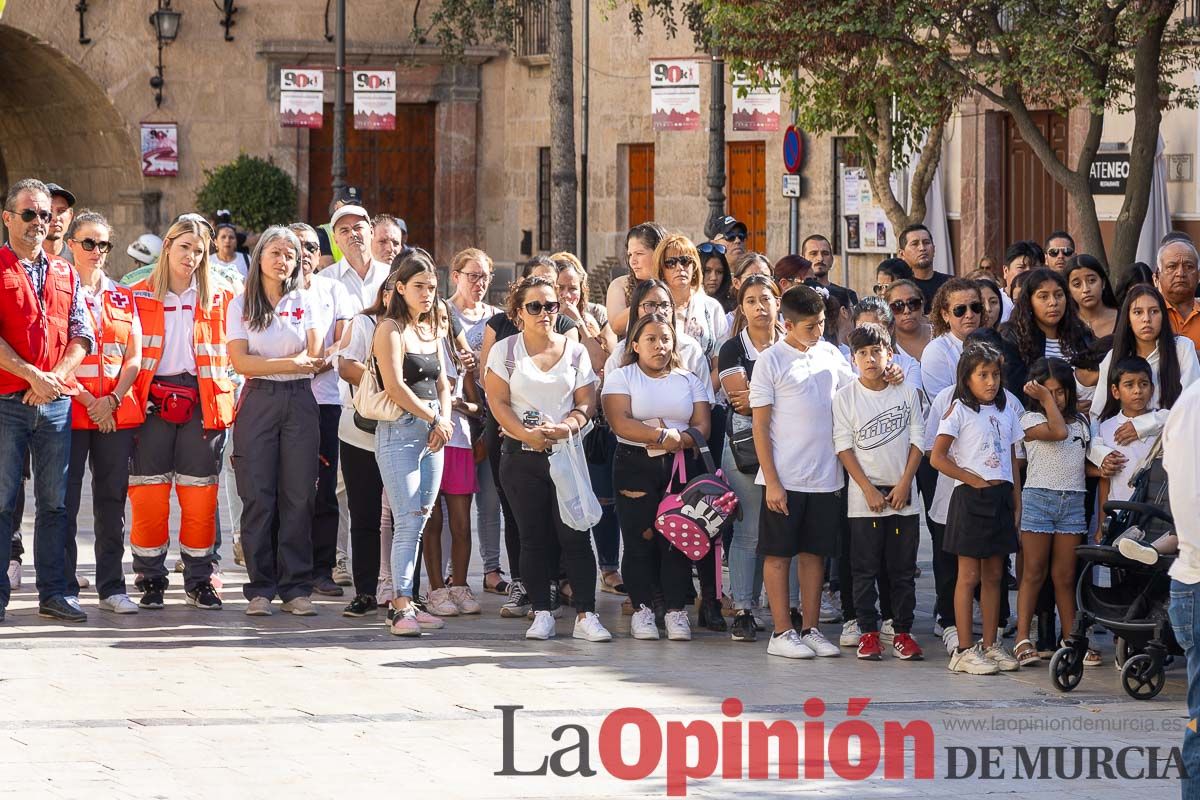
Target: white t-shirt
[939,363]
[329,304]
[689,353]
[1182,462]
[1104,435]
[881,427]
[983,439]
[1056,465]
[800,387]
[1053,349]
[362,331]
[669,398]
[460,427]
[550,393]
[179,333]
[1148,425]
[286,336]
[240,263]
[704,320]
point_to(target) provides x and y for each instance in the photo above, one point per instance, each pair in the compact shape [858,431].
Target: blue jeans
[412,477]
[745,564]
[1185,597]
[45,432]
[487,517]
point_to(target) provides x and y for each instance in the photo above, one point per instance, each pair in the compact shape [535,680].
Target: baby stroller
[1125,596]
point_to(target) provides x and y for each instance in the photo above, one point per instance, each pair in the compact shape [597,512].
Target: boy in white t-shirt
[791,398]
[878,432]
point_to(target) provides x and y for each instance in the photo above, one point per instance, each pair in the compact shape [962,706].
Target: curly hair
[516,294]
[1023,331]
[941,301]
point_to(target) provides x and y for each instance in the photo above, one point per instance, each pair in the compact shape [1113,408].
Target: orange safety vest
[100,370]
[212,357]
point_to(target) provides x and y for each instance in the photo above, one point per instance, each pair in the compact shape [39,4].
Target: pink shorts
[458,471]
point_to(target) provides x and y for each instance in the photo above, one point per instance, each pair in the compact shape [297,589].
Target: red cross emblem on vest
[118,300]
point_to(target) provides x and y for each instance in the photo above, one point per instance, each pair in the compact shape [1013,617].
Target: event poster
[675,94]
[160,149]
[301,98]
[374,100]
[756,108]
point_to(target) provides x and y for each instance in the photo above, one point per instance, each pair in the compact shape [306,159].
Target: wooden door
[641,184]
[746,187]
[1034,204]
[394,170]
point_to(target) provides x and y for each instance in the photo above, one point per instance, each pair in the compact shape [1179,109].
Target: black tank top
[421,371]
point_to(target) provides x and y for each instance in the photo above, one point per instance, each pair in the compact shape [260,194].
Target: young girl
[976,447]
[1052,503]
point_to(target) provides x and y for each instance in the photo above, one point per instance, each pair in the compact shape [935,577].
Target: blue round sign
[793,150]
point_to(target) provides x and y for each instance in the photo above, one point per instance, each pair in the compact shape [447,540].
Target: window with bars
[531,34]
[543,198]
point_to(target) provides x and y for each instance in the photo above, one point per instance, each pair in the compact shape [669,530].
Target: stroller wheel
[1066,669]
[1140,679]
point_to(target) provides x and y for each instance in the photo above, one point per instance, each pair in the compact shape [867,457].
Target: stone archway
[58,125]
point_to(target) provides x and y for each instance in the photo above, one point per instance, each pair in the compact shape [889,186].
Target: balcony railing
[532,34]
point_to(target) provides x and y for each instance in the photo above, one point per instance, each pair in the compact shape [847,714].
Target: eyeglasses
[651,307]
[29,214]
[311,247]
[1065,252]
[911,305]
[710,247]
[975,308]
[734,237]
[475,277]
[91,244]
[537,307]
[678,262]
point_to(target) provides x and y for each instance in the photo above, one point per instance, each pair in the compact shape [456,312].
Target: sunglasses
[475,277]
[734,237]
[912,305]
[651,307]
[961,311]
[311,247]
[710,247]
[536,308]
[91,244]
[1065,252]
[678,262]
[28,215]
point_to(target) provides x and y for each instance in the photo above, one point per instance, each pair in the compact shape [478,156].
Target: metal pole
[716,145]
[583,157]
[794,202]
[339,100]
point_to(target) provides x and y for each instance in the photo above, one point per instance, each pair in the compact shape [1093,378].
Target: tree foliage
[257,193]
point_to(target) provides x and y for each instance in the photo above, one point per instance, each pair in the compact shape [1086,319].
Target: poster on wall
[756,108]
[301,98]
[865,226]
[160,149]
[675,94]
[374,100]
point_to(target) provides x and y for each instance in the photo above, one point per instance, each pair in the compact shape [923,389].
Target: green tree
[257,193]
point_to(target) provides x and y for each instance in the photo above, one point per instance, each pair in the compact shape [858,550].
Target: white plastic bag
[577,503]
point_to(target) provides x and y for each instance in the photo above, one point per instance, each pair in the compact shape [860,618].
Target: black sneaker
[797,620]
[711,616]
[326,587]
[152,593]
[203,596]
[361,606]
[742,629]
[58,608]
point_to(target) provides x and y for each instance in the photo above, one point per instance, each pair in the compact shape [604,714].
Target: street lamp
[165,22]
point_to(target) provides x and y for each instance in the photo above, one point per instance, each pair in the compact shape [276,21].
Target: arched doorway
[57,124]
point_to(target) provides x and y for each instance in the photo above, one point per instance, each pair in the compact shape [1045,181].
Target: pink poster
[675,94]
[160,149]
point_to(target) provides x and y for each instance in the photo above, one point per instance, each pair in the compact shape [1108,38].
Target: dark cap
[728,225]
[56,190]
[348,196]
[401,224]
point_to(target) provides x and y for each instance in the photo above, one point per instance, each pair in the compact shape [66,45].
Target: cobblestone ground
[186,703]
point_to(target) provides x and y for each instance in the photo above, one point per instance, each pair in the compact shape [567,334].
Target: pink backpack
[700,513]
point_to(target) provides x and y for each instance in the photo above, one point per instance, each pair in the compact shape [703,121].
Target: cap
[349,211]
[192,216]
[401,224]
[728,225]
[348,196]
[145,249]
[55,189]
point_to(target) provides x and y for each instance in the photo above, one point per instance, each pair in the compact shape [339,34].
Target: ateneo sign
[1109,174]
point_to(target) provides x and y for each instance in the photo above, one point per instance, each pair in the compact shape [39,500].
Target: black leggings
[364,497]
[512,535]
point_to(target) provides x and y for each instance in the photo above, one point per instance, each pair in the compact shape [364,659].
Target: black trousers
[526,479]
[275,455]
[885,552]
[649,559]
[364,497]
[325,508]
[945,565]
[108,456]
[512,535]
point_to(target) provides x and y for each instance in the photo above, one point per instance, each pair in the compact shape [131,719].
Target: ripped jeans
[412,477]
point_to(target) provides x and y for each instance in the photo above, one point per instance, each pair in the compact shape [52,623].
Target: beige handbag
[371,401]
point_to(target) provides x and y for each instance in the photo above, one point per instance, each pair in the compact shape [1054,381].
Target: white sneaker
[1002,658]
[850,634]
[887,634]
[817,642]
[589,628]
[641,624]
[831,606]
[973,662]
[341,571]
[439,604]
[118,604]
[679,628]
[1136,551]
[464,600]
[542,627]
[788,645]
[950,639]
[556,612]
[14,574]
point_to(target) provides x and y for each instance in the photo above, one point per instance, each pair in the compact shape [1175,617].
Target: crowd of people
[360,416]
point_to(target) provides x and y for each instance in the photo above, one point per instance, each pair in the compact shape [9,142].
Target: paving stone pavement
[186,703]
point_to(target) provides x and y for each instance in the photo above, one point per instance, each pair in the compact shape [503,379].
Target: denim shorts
[1052,511]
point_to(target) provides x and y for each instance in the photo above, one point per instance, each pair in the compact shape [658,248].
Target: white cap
[349,211]
[145,249]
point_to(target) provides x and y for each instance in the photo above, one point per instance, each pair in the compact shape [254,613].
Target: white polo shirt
[179,333]
[330,304]
[1181,458]
[286,336]
[362,289]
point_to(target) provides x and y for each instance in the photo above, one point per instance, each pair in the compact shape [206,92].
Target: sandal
[611,582]
[499,587]
[1093,658]
[1025,652]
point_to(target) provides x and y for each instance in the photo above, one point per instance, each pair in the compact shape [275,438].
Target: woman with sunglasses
[640,242]
[677,264]
[956,311]
[1043,324]
[1093,294]
[888,272]
[913,331]
[105,413]
[718,282]
[542,390]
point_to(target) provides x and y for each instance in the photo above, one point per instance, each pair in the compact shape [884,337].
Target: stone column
[456,173]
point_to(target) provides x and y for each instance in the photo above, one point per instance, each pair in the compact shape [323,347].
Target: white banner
[759,109]
[301,98]
[675,95]
[374,100]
